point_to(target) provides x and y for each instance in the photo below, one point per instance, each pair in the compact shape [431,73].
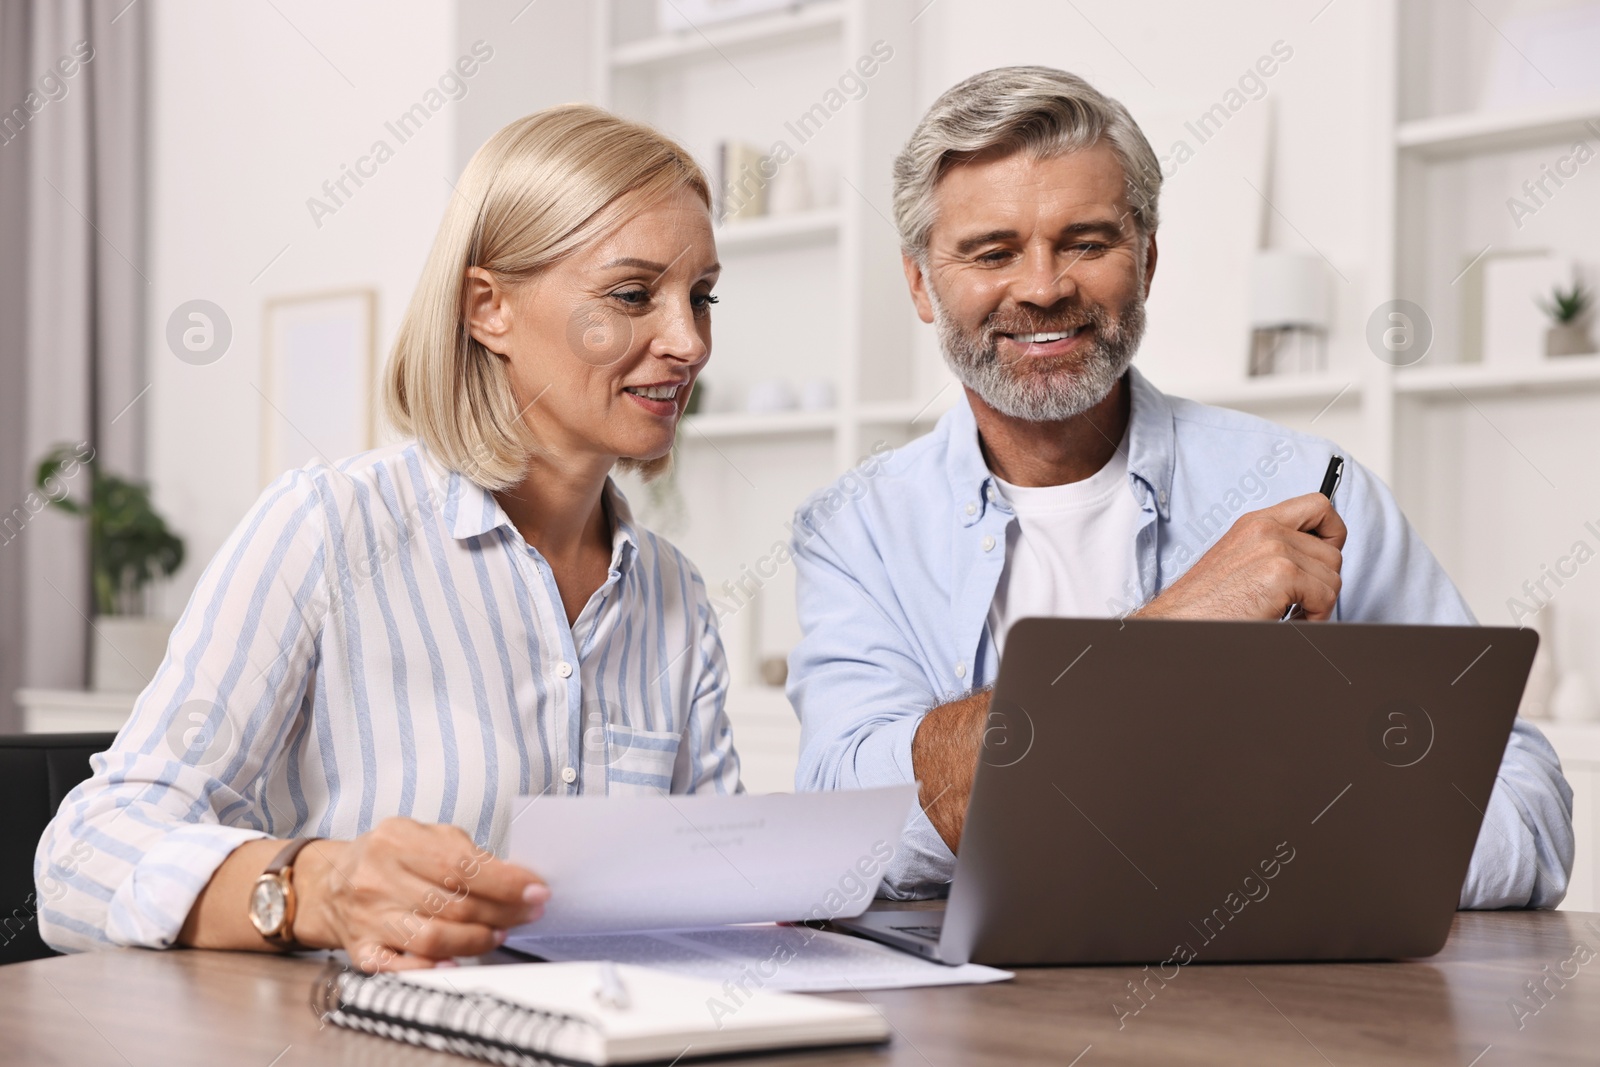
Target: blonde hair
[533,194]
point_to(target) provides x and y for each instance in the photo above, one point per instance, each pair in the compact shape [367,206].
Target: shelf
[779,231]
[1497,131]
[1280,391]
[1478,379]
[744,424]
[812,21]
[720,425]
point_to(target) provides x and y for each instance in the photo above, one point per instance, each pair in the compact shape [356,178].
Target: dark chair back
[37,771]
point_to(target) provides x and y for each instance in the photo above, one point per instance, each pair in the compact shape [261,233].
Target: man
[1068,485]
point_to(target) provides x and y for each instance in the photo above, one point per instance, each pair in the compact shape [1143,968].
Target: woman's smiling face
[605,345]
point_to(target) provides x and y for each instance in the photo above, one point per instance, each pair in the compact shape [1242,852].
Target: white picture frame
[318,370]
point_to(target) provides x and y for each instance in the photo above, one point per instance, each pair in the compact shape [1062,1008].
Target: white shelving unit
[1481,452]
[661,77]
[1390,400]
[802,295]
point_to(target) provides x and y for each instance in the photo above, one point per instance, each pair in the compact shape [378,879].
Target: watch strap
[282,867]
[286,855]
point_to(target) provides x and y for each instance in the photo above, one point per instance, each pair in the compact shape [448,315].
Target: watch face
[267,905]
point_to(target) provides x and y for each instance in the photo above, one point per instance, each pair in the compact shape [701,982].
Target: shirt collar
[624,535]
[1150,440]
[469,510]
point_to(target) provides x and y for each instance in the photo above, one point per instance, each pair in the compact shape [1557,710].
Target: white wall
[542,58]
[252,110]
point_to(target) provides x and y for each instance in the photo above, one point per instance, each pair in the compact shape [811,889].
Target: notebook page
[795,959]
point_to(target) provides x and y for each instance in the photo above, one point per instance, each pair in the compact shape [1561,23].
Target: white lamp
[1288,313]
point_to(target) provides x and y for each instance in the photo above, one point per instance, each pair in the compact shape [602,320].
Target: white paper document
[653,863]
[743,959]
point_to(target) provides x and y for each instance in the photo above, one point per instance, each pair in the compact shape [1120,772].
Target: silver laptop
[1204,791]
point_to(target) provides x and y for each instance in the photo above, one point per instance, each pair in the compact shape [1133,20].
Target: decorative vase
[774,670]
[1568,339]
[125,651]
[817,395]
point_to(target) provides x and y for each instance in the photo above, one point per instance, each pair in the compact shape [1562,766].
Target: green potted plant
[1568,309]
[130,545]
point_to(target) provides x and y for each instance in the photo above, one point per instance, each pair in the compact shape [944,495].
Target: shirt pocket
[639,762]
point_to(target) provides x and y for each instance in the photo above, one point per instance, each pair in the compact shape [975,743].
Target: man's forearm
[944,754]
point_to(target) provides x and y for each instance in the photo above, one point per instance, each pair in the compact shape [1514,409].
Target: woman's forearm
[403,894]
[220,917]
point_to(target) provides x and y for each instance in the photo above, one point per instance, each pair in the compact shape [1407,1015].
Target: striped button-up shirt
[377,639]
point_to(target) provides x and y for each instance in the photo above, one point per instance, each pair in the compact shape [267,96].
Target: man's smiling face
[1035,275]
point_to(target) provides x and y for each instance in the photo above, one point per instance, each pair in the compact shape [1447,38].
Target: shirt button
[1162,496]
[972,509]
[569,775]
[563,669]
[988,543]
[961,670]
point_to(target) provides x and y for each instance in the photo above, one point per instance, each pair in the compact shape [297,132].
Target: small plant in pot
[1568,310]
[130,546]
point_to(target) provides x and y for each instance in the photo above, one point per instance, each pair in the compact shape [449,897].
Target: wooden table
[132,1007]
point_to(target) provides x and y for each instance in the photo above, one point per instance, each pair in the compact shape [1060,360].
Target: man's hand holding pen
[1276,563]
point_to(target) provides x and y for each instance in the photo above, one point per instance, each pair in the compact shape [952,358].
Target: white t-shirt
[1070,552]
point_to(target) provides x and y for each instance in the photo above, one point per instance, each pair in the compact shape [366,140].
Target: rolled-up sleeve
[856,684]
[1523,857]
[131,848]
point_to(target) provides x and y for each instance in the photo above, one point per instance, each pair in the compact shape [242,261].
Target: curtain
[16,64]
[74,114]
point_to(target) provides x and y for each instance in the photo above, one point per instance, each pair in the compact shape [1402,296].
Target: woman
[387,652]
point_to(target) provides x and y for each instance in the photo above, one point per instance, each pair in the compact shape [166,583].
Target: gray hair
[1011,109]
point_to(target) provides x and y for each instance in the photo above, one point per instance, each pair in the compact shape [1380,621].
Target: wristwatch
[272,900]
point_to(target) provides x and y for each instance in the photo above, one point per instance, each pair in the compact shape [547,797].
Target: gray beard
[1064,389]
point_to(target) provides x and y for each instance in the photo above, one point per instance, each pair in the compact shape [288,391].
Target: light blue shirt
[377,639]
[898,562]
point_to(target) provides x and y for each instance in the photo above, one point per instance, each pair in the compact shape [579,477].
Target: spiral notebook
[554,1013]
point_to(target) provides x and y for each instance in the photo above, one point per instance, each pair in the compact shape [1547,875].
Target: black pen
[1335,474]
[1330,485]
